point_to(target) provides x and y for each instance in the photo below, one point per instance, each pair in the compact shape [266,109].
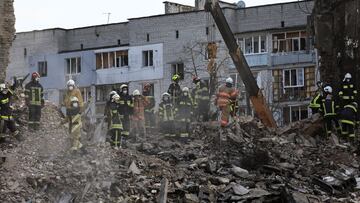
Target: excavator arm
[256,96]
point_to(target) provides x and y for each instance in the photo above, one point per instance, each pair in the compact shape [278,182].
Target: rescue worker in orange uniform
[138,116]
[225,97]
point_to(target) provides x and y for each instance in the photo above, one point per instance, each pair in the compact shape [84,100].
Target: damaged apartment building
[274,38]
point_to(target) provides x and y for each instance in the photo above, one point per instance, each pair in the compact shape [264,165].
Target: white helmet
[185,89]
[165,94]
[123,86]
[74,99]
[112,93]
[70,83]
[136,93]
[328,89]
[115,97]
[229,80]
[347,76]
[2,86]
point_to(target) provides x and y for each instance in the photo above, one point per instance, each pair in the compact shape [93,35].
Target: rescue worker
[114,121]
[126,107]
[138,117]
[329,110]
[34,97]
[175,89]
[201,99]
[315,104]
[150,107]
[166,115]
[347,91]
[6,111]
[74,104]
[225,97]
[107,107]
[184,113]
[348,118]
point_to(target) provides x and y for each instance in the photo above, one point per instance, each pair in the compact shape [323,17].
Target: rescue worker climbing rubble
[328,110]
[6,112]
[347,91]
[174,89]
[114,122]
[126,107]
[315,104]
[34,97]
[184,113]
[348,118]
[149,108]
[138,117]
[73,102]
[225,97]
[201,99]
[166,116]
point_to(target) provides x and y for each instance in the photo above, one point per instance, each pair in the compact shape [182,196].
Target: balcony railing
[292,57]
[291,94]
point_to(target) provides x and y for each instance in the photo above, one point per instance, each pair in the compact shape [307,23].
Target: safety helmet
[328,89]
[112,93]
[123,86]
[70,83]
[348,76]
[115,97]
[136,93]
[2,86]
[196,79]
[165,94]
[229,80]
[35,75]
[74,99]
[185,89]
[175,77]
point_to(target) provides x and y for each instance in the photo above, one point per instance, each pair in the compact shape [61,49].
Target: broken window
[293,78]
[148,58]
[42,68]
[112,59]
[73,66]
[178,68]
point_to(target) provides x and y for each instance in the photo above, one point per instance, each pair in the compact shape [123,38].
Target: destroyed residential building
[150,49]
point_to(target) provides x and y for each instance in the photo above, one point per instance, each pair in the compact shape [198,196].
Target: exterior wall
[158,33]
[171,7]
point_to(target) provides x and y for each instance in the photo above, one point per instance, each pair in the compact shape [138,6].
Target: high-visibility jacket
[126,104]
[75,123]
[184,109]
[316,101]
[34,93]
[114,116]
[166,111]
[174,91]
[348,91]
[348,114]
[201,94]
[225,96]
[328,107]
[74,93]
[140,103]
[150,107]
[6,112]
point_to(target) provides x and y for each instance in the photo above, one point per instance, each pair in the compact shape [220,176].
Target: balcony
[292,58]
[257,59]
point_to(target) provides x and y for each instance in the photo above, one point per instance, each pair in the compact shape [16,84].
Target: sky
[43,14]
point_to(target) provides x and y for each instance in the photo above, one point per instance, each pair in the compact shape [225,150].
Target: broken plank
[163,190]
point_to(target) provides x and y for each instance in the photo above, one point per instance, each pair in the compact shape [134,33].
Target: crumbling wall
[7,31]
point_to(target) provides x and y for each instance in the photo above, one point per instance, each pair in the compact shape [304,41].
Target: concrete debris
[252,165]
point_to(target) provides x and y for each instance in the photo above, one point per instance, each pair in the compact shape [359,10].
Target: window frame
[148,58]
[300,77]
[175,70]
[253,40]
[78,63]
[43,68]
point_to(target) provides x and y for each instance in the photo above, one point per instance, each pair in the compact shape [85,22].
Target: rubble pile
[245,163]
